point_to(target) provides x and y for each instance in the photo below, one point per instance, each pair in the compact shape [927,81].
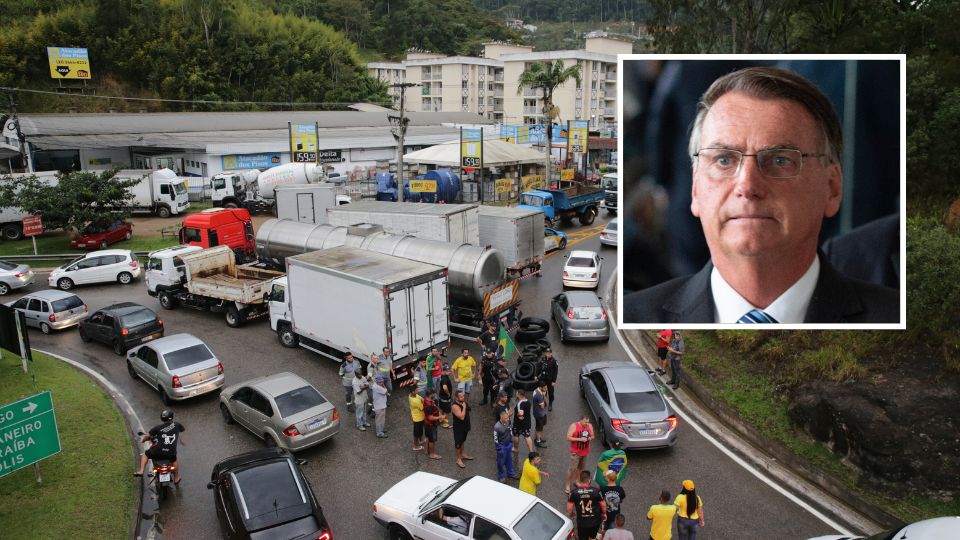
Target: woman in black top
[445,395]
[461,426]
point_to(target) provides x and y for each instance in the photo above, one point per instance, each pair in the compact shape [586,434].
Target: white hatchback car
[941,528]
[425,505]
[104,266]
[582,270]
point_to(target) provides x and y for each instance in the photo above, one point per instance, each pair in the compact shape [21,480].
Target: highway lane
[349,472]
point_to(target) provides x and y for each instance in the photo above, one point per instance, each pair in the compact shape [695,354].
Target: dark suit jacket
[836,299]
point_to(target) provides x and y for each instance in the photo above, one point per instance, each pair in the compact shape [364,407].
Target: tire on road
[235,317]
[287,337]
[167,300]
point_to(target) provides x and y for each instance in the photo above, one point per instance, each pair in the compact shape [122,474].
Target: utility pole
[399,129]
[20,138]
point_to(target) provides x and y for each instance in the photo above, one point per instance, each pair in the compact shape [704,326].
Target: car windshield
[180,189]
[580,262]
[442,494]
[590,312]
[531,200]
[137,318]
[612,226]
[66,304]
[7,266]
[184,357]
[75,261]
[540,523]
[268,488]
[298,400]
[639,402]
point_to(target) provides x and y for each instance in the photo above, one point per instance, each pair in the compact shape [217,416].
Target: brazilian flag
[615,460]
[507,346]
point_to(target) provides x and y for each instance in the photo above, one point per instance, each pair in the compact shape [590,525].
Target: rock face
[903,431]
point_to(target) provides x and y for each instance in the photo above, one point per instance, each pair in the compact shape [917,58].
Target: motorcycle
[162,475]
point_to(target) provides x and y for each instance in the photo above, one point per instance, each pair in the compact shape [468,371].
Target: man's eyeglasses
[773,162]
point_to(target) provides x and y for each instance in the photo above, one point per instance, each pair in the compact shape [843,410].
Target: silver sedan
[178,366]
[14,276]
[580,315]
[283,409]
[628,406]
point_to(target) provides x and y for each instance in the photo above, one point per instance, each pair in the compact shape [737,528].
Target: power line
[197,101]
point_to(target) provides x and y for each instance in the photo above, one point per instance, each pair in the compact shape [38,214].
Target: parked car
[51,310]
[939,528]
[627,405]
[14,276]
[178,366]
[122,326]
[582,270]
[553,239]
[580,316]
[283,409]
[97,267]
[101,235]
[263,494]
[425,505]
[608,236]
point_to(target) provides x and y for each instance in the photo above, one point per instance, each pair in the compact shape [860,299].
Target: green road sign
[28,432]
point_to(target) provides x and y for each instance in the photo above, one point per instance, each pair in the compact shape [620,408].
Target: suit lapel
[834,299]
[693,301]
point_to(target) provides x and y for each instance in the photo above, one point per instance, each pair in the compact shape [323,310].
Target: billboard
[68,63]
[303,142]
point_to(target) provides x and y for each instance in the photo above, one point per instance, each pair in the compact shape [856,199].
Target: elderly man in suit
[765,149]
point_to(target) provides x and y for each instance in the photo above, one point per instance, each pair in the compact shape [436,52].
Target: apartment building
[488,85]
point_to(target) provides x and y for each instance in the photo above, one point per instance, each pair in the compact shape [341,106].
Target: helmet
[166,415]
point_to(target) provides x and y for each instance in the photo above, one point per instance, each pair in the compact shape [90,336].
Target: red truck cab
[221,227]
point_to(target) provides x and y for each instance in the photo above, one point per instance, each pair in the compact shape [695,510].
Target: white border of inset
[621,134]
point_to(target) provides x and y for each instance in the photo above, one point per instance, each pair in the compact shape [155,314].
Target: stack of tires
[527,375]
[531,329]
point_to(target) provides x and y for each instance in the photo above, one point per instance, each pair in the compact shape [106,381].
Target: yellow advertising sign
[566,174]
[303,142]
[423,186]
[68,63]
[523,135]
[503,185]
[471,148]
[533,181]
[577,141]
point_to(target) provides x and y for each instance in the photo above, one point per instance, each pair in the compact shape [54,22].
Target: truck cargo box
[517,233]
[454,223]
[214,273]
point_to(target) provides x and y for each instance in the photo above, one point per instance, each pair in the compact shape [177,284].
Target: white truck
[11,218]
[209,279]
[517,233]
[455,223]
[159,192]
[346,299]
[254,189]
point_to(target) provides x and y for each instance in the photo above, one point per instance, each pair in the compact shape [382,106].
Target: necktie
[756,316]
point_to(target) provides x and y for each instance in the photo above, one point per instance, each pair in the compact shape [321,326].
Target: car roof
[240,460]
[124,308]
[50,294]
[279,383]
[582,253]
[492,500]
[624,376]
[174,343]
[108,252]
[583,298]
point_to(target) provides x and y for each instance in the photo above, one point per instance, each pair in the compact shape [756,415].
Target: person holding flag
[614,459]
[506,346]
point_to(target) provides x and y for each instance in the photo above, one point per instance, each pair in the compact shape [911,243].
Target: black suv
[263,494]
[123,326]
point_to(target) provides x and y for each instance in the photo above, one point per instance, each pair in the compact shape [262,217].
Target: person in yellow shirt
[416,414]
[689,512]
[531,475]
[465,370]
[661,516]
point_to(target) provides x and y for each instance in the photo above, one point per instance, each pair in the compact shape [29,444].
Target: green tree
[74,200]
[548,76]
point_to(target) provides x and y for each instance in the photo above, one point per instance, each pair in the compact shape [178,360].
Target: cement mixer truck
[254,190]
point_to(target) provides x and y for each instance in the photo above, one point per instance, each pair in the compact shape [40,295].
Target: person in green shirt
[661,517]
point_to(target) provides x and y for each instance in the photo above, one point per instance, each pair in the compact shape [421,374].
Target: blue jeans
[687,528]
[361,413]
[505,460]
[676,371]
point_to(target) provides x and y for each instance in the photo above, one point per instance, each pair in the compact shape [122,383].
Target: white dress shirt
[790,307]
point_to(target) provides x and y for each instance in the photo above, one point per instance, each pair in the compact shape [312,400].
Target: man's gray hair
[774,83]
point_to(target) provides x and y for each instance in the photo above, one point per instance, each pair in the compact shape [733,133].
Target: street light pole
[399,130]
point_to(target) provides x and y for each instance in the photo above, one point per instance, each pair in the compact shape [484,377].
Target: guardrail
[66,257]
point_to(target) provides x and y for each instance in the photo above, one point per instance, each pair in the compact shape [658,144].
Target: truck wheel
[588,216]
[287,337]
[163,212]
[231,204]
[12,231]
[234,317]
[547,222]
[167,301]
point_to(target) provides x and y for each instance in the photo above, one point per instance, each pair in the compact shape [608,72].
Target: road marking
[729,453]
[576,237]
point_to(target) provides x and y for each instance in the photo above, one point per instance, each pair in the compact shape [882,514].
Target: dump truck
[575,200]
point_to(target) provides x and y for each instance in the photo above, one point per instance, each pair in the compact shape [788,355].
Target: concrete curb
[641,342]
[134,425]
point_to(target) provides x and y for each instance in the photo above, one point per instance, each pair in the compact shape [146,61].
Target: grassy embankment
[87,489]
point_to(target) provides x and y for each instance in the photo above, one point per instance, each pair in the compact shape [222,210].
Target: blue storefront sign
[249,161]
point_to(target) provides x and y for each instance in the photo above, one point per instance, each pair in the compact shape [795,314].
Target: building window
[463,101]
[463,83]
[466,69]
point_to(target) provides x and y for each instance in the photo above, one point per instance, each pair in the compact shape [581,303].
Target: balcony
[532,110]
[611,76]
[609,111]
[498,77]
[531,92]
[498,107]
[498,92]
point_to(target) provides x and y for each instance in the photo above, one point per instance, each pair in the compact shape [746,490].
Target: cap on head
[688,485]
[166,415]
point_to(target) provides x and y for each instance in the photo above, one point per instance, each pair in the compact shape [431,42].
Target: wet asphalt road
[349,472]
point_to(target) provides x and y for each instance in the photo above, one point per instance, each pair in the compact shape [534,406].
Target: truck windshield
[219,183]
[531,200]
[190,234]
[180,189]
[610,183]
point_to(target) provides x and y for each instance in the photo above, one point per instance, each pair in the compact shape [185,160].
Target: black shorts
[445,406]
[153,454]
[431,432]
[587,532]
[539,422]
[521,431]
[662,353]
[459,437]
[418,430]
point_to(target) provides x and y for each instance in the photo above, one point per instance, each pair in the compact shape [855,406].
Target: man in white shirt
[765,150]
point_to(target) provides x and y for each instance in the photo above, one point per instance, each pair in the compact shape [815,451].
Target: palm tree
[548,76]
